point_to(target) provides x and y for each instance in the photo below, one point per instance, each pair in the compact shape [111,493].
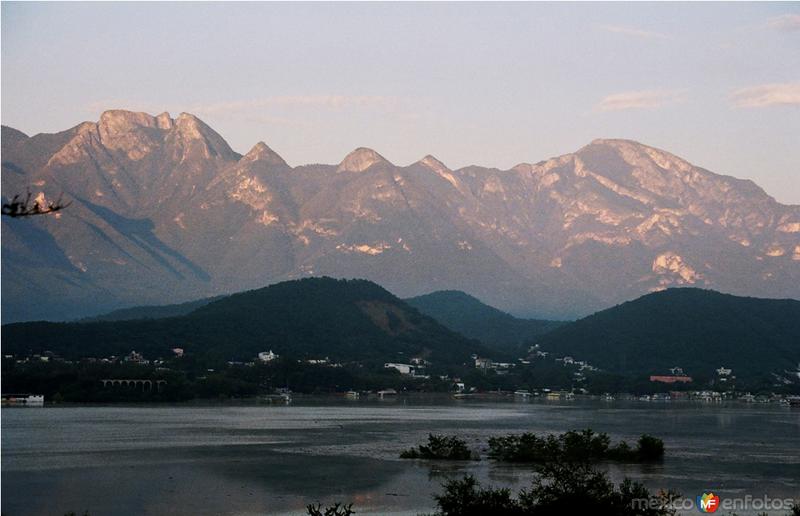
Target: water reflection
[275,460]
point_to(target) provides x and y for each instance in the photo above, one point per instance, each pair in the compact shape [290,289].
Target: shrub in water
[439,447]
[572,446]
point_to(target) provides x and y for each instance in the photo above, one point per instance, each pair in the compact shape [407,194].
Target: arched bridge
[144,383]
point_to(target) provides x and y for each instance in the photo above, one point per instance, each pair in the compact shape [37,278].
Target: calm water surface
[248,460]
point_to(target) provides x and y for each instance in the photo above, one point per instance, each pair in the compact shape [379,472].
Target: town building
[402,368]
[267,356]
[483,363]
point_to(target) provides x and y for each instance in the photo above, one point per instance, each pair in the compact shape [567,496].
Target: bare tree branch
[24,208]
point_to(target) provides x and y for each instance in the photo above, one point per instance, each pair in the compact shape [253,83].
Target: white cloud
[786,94]
[785,22]
[632,31]
[644,99]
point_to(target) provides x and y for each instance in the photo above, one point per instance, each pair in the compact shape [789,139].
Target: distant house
[178,352]
[483,363]
[671,379]
[267,356]
[402,368]
[135,358]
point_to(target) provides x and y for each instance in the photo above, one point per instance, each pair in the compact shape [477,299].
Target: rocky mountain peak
[118,121]
[164,121]
[434,164]
[191,126]
[360,160]
[637,154]
[262,152]
[129,132]
[190,130]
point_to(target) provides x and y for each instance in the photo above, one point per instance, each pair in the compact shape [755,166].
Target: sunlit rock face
[163,210]
[360,160]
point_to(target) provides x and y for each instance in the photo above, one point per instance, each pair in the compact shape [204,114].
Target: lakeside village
[536,376]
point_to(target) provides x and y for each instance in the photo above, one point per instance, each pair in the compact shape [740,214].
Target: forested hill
[698,330]
[474,319]
[316,317]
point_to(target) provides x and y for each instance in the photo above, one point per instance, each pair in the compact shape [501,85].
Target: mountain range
[164,211]
[457,311]
[359,322]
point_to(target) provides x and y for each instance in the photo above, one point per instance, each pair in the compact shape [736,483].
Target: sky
[491,84]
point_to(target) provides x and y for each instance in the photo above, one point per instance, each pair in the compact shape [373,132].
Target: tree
[29,207]
[558,487]
[336,509]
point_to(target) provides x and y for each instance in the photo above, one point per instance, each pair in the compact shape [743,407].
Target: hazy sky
[472,83]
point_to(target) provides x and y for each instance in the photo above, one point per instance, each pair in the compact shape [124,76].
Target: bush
[465,498]
[440,447]
[650,448]
[572,446]
[557,488]
[336,509]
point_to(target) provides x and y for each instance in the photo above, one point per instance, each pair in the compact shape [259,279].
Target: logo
[708,502]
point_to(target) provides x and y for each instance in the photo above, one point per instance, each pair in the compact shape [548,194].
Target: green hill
[470,317]
[341,319]
[698,330]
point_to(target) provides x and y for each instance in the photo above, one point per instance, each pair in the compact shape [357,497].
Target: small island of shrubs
[440,447]
[573,446]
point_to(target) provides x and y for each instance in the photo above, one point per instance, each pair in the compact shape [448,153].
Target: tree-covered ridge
[315,317]
[474,319]
[698,330]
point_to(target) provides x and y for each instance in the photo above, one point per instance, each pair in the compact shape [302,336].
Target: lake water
[261,459]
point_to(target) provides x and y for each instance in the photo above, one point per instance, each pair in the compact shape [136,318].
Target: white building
[402,368]
[267,356]
[483,363]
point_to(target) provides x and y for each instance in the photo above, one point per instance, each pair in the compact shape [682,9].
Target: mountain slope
[316,317]
[151,311]
[164,211]
[470,317]
[698,330]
